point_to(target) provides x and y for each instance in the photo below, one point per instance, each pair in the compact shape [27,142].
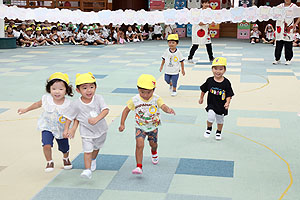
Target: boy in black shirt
[219,96]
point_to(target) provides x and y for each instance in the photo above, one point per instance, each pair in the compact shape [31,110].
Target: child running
[172,60]
[90,110]
[146,105]
[51,121]
[219,96]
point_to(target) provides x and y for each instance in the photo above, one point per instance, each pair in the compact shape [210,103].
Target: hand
[226,106]
[71,134]
[183,72]
[92,121]
[65,134]
[22,111]
[121,128]
[201,101]
[160,69]
[171,111]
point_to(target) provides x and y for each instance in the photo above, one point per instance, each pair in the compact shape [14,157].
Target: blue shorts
[47,139]
[172,78]
[152,135]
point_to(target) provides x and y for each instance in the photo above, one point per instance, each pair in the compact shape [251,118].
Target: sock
[50,161]
[139,165]
[209,128]
[218,132]
[154,154]
[66,158]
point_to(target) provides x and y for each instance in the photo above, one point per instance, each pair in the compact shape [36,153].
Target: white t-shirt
[157,29]
[172,61]
[61,34]
[40,37]
[105,32]
[200,34]
[130,33]
[255,34]
[16,34]
[90,38]
[82,112]
[284,28]
[52,118]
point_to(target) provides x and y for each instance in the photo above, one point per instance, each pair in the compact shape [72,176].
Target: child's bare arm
[228,99]
[72,130]
[167,109]
[201,97]
[95,120]
[66,133]
[34,106]
[123,118]
[162,65]
[182,68]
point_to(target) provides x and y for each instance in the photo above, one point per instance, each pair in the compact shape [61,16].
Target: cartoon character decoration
[193,3]
[243,30]
[180,4]
[189,30]
[245,3]
[214,31]
[157,4]
[215,4]
[169,4]
[180,30]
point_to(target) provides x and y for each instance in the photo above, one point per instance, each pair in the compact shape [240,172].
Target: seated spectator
[270,35]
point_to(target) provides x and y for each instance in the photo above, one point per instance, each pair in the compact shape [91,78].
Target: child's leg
[87,160]
[152,137]
[257,41]
[64,147]
[211,116]
[220,121]
[288,49]
[168,79]
[174,80]
[209,52]
[47,140]
[192,51]
[278,49]
[139,138]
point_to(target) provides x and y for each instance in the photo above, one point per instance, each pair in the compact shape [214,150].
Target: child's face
[58,90]
[255,29]
[172,44]
[146,94]
[23,26]
[60,28]
[38,32]
[87,90]
[288,1]
[218,71]
[205,5]
[129,28]
[84,31]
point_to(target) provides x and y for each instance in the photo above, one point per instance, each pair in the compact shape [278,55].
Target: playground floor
[258,157]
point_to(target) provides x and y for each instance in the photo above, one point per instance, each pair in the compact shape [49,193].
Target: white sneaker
[93,165]
[61,43]
[47,43]
[137,170]
[218,136]
[87,173]
[49,167]
[173,94]
[288,62]
[171,88]
[31,44]
[276,62]
[207,133]
[154,159]
[252,42]
[190,61]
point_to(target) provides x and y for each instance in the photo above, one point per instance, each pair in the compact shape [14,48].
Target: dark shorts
[90,43]
[47,139]
[172,78]
[152,135]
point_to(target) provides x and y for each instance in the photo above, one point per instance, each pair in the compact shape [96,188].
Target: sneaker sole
[137,172]
[68,167]
[85,176]
[47,170]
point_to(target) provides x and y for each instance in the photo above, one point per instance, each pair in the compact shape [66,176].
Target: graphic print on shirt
[217,91]
[147,115]
[62,119]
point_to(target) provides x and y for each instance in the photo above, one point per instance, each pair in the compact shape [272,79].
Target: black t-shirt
[217,94]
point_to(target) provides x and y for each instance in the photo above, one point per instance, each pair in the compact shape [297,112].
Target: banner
[169,16]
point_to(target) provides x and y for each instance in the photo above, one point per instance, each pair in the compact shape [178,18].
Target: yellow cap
[60,76]
[84,78]
[38,29]
[5,27]
[146,81]
[29,29]
[172,37]
[219,61]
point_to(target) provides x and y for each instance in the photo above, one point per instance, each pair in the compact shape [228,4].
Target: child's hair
[144,88]
[78,86]
[204,1]
[69,88]
[53,29]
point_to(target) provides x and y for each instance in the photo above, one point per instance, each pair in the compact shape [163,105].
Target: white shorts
[91,144]
[212,116]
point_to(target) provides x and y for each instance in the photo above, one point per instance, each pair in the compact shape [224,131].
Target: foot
[252,42]
[67,164]
[87,173]
[61,43]
[190,61]
[49,167]
[171,88]
[93,165]
[207,133]
[137,170]
[174,93]
[276,62]
[288,62]
[155,159]
[218,136]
